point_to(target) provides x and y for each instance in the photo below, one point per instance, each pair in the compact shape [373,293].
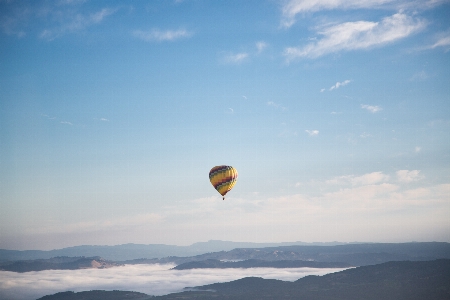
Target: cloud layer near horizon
[150,279]
[343,201]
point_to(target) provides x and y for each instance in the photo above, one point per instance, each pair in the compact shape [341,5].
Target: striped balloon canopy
[223,178]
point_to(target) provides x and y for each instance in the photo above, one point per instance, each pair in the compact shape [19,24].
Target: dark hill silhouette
[388,281]
[97,295]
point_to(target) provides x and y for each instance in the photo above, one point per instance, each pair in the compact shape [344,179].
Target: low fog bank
[156,279]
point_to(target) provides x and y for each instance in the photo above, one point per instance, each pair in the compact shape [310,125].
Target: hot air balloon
[223,178]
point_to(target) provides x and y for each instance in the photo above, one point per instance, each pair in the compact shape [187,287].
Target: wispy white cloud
[260,46]
[340,180]
[442,41]
[374,178]
[357,35]
[291,8]
[372,108]
[157,35]
[235,58]
[13,22]
[339,84]
[312,132]
[408,176]
[71,2]
[66,122]
[48,117]
[276,105]
[52,19]
[365,179]
[370,178]
[379,207]
[76,23]
[417,149]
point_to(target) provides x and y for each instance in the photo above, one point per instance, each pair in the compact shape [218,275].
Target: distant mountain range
[58,263]
[280,257]
[388,281]
[136,251]
[351,254]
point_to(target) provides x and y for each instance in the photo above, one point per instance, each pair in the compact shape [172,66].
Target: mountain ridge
[135,251]
[58,263]
[347,255]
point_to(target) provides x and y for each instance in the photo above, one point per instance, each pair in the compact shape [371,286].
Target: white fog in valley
[153,279]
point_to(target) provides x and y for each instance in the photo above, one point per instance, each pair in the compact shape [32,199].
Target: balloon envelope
[223,178]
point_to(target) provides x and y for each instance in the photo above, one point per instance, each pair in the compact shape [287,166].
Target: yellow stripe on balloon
[223,178]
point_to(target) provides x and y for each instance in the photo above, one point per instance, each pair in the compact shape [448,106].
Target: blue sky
[335,114]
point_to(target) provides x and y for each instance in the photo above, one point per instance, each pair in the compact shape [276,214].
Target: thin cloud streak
[236,58]
[276,105]
[312,132]
[292,8]
[442,41]
[77,23]
[408,176]
[366,179]
[357,35]
[372,108]
[150,279]
[157,35]
[260,46]
[339,84]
